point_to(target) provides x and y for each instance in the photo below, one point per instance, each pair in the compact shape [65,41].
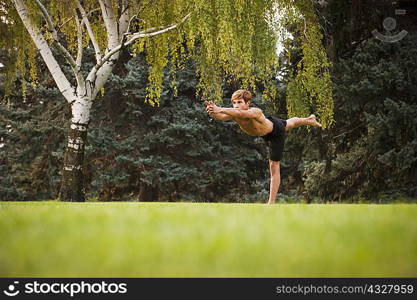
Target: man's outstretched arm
[218,116]
[214,110]
[250,113]
[222,117]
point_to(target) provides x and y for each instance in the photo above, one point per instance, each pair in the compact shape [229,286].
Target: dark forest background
[176,152]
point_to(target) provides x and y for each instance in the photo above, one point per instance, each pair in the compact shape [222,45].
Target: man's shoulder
[258,112]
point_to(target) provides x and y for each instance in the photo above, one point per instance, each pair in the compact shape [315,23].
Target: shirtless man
[253,122]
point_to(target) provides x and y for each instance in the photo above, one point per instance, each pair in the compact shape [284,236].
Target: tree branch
[64,86]
[54,33]
[90,31]
[79,40]
[124,21]
[128,25]
[78,75]
[139,35]
[110,23]
[92,76]
[89,13]
[150,32]
[135,16]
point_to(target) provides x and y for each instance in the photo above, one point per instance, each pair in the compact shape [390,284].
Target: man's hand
[215,111]
[212,108]
[208,103]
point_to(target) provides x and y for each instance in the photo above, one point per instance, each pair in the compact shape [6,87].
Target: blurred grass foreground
[54,239]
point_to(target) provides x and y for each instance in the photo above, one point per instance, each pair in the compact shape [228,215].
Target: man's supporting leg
[274,168]
[297,122]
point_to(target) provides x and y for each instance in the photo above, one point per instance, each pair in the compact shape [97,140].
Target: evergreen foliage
[374,143]
[32,136]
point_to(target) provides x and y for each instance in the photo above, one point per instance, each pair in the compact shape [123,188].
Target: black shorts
[276,138]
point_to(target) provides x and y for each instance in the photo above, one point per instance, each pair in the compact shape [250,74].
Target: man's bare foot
[313,122]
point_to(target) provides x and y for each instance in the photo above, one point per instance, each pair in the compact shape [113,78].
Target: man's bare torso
[259,126]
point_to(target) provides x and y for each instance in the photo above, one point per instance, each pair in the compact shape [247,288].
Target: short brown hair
[242,94]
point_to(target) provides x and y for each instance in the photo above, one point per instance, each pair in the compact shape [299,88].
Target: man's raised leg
[274,168]
[297,122]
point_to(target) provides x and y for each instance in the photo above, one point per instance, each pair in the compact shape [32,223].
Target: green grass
[41,239]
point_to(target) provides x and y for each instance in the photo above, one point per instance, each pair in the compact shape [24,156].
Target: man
[253,122]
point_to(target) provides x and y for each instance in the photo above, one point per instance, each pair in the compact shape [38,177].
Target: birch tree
[228,39]
[116,18]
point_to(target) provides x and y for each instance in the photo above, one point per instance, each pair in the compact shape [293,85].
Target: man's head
[241,99]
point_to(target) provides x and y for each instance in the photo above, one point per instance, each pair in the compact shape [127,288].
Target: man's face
[240,104]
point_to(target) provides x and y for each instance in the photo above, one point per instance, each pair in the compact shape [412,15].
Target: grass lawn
[130,239]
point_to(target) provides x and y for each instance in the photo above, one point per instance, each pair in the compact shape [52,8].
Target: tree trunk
[72,188]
